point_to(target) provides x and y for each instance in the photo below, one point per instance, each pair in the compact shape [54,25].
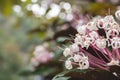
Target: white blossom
[115,42]
[109,19]
[117,14]
[100,43]
[41,55]
[78,40]
[81,29]
[108,22]
[94,35]
[67,52]
[116,26]
[74,47]
[112,33]
[87,42]
[39,49]
[77,57]
[92,26]
[68,64]
[83,63]
[101,24]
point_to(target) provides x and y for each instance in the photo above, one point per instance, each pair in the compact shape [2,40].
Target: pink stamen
[91,56]
[96,65]
[96,52]
[102,51]
[117,54]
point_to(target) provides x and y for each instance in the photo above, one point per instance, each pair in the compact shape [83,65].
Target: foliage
[60,76]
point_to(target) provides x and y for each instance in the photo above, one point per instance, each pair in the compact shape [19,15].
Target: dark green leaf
[60,76]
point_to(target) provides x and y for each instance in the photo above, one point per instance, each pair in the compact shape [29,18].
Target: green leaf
[61,39]
[57,54]
[80,71]
[60,76]
[44,71]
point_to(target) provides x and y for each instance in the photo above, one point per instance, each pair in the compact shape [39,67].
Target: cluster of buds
[96,45]
[41,55]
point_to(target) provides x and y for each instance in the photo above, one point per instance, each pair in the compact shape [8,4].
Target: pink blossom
[91,45]
[41,55]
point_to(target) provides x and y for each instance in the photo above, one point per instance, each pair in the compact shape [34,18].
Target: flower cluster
[96,45]
[41,55]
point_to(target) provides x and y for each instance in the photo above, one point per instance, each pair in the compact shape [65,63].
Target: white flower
[94,35]
[42,55]
[113,62]
[77,57]
[39,49]
[68,64]
[112,33]
[109,19]
[100,43]
[67,52]
[78,40]
[117,14]
[92,26]
[87,42]
[74,47]
[81,30]
[116,26]
[106,22]
[96,18]
[83,63]
[115,42]
[101,24]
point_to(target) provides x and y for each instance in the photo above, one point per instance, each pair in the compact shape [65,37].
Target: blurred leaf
[42,70]
[6,6]
[100,8]
[65,33]
[69,73]
[57,54]
[60,76]
[62,39]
